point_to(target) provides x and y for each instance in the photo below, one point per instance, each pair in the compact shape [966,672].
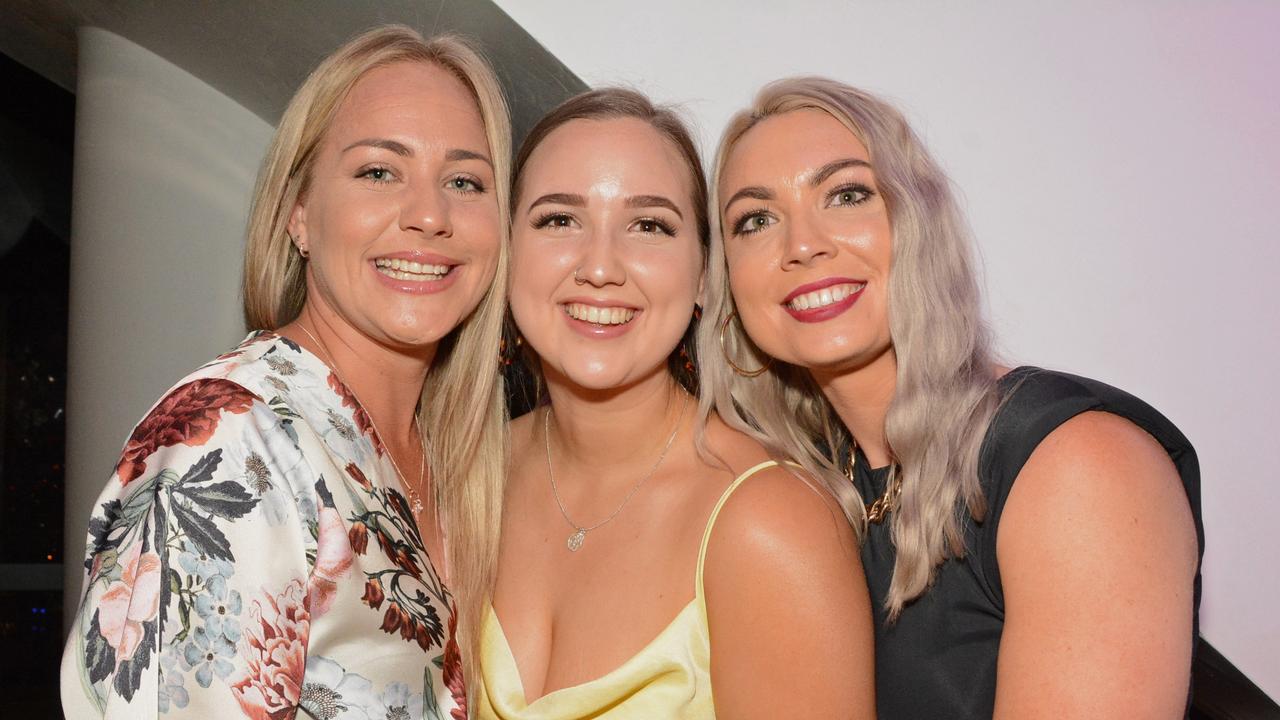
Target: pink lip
[815,315]
[418,287]
[592,330]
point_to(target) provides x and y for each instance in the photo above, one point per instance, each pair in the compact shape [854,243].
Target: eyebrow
[559,199]
[398,148]
[834,167]
[644,201]
[403,150]
[459,154]
[754,192]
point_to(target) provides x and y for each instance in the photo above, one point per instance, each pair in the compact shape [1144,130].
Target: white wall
[1121,167]
[164,168]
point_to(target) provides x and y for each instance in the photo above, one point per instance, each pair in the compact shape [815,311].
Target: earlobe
[296,229]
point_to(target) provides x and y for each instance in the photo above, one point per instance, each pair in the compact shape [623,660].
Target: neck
[596,430]
[861,397]
[377,374]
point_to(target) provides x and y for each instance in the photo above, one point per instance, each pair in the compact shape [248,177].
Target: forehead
[783,147]
[407,96]
[625,151]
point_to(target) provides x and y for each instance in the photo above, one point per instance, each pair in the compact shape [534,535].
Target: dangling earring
[724,350]
[507,358]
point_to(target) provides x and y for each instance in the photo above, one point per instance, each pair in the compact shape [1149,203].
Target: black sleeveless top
[938,660]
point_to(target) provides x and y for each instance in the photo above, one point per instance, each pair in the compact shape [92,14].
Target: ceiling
[257,53]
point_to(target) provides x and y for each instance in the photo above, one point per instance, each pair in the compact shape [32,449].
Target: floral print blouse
[253,556]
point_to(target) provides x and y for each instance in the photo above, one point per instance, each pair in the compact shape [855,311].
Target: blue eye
[465,184]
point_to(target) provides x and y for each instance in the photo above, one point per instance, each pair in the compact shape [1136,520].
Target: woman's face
[400,216]
[807,240]
[606,263]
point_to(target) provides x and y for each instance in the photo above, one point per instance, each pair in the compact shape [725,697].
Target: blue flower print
[202,565]
[220,607]
[207,654]
[173,691]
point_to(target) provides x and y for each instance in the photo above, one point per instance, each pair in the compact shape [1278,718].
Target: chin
[603,374]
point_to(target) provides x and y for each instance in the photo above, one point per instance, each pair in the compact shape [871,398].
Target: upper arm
[787,605]
[1098,553]
[202,519]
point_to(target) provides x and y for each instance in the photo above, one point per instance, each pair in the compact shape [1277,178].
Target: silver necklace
[580,532]
[415,501]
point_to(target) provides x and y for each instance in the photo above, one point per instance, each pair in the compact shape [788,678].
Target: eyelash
[544,220]
[749,214]
[662,225]
[476,185]
[857,188]
[368,174]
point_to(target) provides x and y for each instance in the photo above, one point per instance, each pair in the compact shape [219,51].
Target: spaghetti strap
[711,521]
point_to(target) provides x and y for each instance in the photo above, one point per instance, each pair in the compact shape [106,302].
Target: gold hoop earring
[724,326]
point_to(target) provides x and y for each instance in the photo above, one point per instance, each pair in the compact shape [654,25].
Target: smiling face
[399,217]
[606,263]
[807,241]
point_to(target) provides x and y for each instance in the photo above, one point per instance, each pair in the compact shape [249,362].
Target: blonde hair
[945,395]
[462,408]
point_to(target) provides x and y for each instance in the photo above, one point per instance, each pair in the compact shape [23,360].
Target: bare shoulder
[1097,552]
[787,605]
[778,522]
[1097,468]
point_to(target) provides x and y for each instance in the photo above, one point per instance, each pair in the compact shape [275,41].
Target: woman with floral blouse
[273,538]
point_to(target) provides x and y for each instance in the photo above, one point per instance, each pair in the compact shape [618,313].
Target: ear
[297,227]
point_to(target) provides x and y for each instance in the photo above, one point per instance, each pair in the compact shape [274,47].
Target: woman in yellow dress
[648,568]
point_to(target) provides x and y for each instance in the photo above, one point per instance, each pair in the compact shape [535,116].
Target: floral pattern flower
[270,684]
[188,415]
[253,525]
[129,602]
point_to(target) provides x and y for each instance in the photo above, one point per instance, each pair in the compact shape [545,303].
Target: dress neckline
[513,668]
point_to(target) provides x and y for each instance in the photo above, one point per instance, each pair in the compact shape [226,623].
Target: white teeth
[824,297]
[598,315]
[398,269]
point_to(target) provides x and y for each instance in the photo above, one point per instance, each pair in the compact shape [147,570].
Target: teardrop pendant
[575,540]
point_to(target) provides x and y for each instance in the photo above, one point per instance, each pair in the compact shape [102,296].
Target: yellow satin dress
[669,678]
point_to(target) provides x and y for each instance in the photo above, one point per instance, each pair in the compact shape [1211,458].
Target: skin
[403,170]
[570,618]
[1097,511]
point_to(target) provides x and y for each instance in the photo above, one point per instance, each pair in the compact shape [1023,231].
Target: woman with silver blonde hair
[844,303]
[309,522]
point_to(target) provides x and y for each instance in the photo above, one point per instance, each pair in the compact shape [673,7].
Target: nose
[804,243]
[427,212]
[600,263]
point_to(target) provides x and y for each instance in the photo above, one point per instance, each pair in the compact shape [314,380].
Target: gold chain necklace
[877,511]
[579,532]
[415,501]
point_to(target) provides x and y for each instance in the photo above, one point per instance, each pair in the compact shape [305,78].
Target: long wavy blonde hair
[462,409]
[945,394]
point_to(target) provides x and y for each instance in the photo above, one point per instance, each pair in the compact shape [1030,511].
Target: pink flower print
[333,561]
[275,653]
[130,602]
